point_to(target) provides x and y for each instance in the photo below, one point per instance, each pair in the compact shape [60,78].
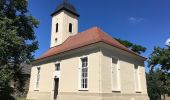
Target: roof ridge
[106,34]
[100,32]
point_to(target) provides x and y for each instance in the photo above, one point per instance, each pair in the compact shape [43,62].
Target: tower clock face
[168,42]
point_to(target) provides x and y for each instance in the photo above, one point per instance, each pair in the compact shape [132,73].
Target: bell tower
[64,23]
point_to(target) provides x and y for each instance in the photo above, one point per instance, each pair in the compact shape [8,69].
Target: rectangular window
[57,67]
[57,27]
[115,75]
[84,73]
[70,28]
[137,78]
[38,78]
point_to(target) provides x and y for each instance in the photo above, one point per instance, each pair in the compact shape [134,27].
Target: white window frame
[57,72]
[118,89]
[58,63]
[138,80]
[80,74]
[37,78]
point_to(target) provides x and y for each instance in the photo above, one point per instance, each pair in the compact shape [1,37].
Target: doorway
[56,84]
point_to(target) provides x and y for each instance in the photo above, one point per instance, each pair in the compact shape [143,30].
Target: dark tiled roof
[90,36]
[66,6]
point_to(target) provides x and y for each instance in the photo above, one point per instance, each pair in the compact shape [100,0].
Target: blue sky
[144,22]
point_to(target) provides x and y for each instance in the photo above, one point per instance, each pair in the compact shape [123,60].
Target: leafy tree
[160,58]
[155,84]
[134,47]
[17,42]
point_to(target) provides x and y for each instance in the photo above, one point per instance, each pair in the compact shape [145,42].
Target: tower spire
[65,5]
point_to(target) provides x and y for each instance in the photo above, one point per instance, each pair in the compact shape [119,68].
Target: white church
[89,65]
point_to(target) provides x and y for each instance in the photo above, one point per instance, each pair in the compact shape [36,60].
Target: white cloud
[167,42]
[135,19]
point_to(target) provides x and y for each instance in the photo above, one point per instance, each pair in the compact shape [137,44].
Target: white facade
[97,71]
[60,27]
[100,81]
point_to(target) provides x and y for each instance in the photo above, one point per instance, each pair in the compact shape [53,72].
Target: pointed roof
[65,5]
[90,36]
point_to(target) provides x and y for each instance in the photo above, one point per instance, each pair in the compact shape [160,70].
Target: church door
[56,80]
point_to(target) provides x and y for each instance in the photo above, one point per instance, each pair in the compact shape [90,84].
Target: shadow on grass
[5,93]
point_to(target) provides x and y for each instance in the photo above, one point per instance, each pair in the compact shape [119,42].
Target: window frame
[56,69]
[37,78]
[138,80]
[118,89]
[80,74]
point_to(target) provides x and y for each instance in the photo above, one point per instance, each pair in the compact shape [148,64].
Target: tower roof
[66,6]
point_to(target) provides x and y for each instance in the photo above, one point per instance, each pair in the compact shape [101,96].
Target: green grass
[20,99]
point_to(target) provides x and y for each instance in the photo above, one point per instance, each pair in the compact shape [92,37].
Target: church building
[89,65]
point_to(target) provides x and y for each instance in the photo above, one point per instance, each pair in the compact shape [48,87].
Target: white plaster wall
[70,73]
[32,79]
[126,64]
[99,76]
[45,82]
[60,20]
[46,77]
[69,78]
[63,19]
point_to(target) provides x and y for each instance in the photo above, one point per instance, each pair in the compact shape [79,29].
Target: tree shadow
[5,93]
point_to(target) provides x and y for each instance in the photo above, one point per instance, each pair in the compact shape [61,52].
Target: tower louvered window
[70,27]
[57,27]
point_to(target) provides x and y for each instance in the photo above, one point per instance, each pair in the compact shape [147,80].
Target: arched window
[57,27]
[70,27]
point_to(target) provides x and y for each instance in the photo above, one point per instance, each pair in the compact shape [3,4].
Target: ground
[20,99]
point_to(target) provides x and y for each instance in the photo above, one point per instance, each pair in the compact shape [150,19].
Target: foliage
[159,58]
[134,47]
[17,42]
[154,84]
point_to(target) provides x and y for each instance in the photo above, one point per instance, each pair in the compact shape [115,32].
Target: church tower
[64,23]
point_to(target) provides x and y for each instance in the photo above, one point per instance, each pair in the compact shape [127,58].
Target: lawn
[20,99]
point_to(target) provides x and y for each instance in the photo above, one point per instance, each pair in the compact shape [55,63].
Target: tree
[160,58]
[134,47]
[155,84]
[17,43]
